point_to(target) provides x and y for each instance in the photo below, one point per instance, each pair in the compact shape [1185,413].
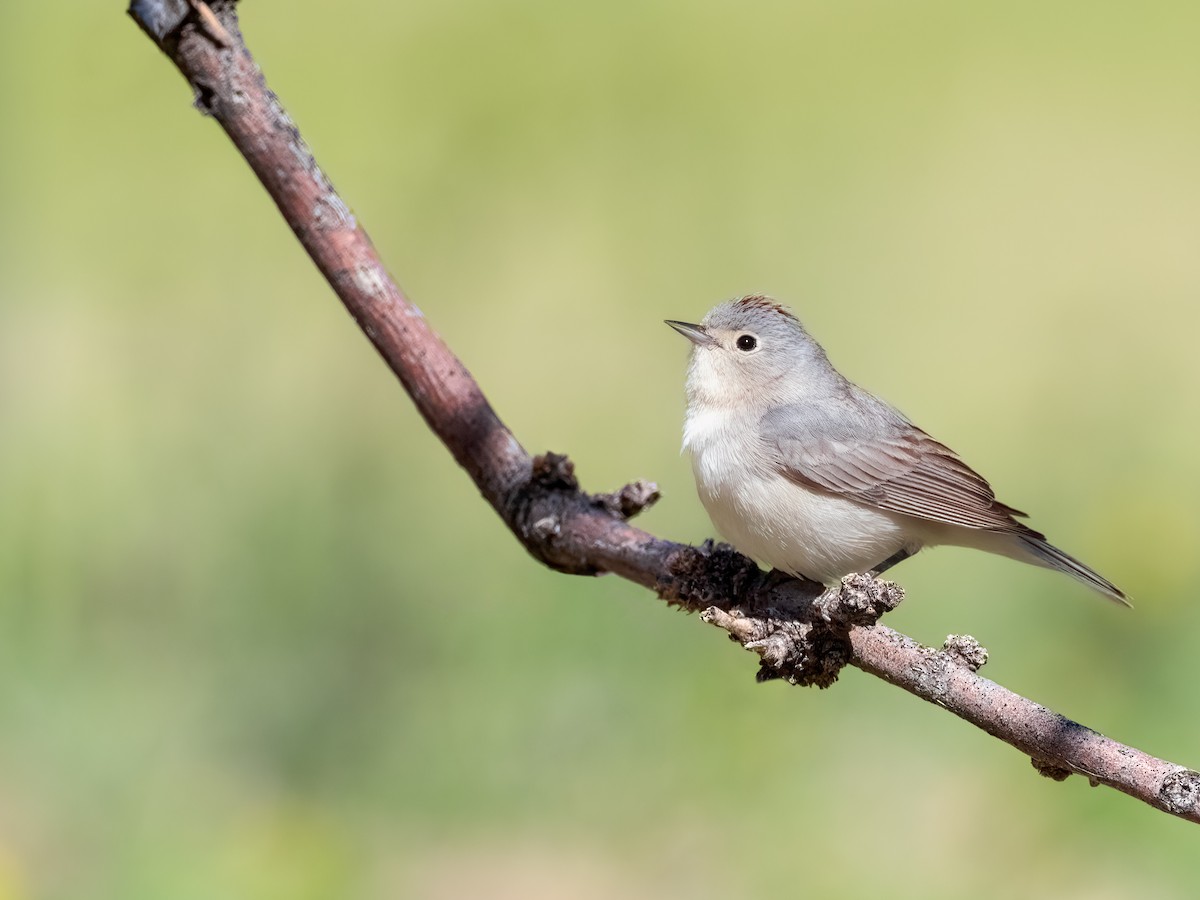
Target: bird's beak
[694,333]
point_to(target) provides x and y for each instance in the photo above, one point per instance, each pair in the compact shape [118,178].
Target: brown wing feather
[907,472]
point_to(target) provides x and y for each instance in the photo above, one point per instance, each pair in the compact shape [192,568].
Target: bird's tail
[1042,553]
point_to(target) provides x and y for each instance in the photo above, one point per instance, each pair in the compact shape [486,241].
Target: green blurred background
[259,637]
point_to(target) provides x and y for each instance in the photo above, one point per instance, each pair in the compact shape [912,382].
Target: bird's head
[752,351]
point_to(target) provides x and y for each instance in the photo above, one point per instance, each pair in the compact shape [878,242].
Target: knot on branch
[965,651]
[802,634]
[1180,793]
[860,600]
[556,472]
[1049,770]
[935,669]
[798,652]
[538,510]
[695,578]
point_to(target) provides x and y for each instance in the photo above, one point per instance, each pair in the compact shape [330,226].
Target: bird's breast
[775,520]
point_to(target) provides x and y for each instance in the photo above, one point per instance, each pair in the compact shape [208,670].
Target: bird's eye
[746,342]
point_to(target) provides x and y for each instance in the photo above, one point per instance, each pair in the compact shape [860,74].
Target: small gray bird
[803,470]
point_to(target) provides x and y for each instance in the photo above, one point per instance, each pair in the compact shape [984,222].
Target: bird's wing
[861,448]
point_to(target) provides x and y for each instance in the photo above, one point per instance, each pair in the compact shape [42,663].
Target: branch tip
[630,500]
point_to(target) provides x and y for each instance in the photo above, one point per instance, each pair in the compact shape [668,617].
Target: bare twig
[799,633]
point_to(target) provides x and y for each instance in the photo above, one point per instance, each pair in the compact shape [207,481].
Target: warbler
[803,470]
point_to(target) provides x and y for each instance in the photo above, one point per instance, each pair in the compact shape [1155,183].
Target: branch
[800,633]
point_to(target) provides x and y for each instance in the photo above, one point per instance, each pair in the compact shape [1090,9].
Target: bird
[803,470]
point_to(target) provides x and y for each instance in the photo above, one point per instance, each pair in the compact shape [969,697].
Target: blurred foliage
[260,638]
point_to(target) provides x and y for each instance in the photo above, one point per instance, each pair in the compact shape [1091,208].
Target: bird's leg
[899,556]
